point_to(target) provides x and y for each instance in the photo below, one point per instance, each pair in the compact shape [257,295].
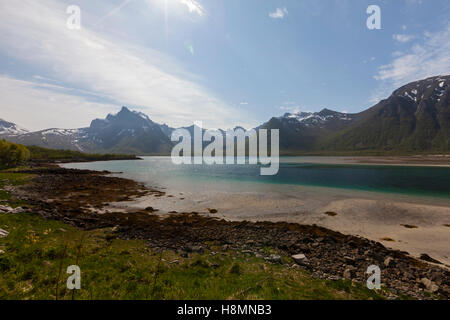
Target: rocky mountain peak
[433,89]
[125,119]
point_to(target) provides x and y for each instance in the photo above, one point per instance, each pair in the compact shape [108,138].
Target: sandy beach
[412,224]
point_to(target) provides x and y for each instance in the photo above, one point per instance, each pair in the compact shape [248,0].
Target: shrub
[12,155]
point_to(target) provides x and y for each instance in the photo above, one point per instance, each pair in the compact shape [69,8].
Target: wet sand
[413,224]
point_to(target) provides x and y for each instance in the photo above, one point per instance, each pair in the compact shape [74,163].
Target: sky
[223,62]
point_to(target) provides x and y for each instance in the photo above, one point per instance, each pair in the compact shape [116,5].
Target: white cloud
[290,108]
[37,106]
[34,33]
[279,13]
[194,6]
[397,53]
[370,60]
[429,58]
[403,37]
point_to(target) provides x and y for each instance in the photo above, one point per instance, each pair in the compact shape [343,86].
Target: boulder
[389,262]
[275,258]
[429,285]
[197,249]
[3,233]
[6,209]
[300,258]
[348,273]
[19,210]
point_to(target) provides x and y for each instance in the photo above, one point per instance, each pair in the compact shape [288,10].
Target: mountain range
[9,128]
[415,118]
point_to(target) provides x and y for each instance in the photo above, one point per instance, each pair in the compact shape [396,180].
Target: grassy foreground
[36,253]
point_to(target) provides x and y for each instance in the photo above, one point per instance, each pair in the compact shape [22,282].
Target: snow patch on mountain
[311,118]
[9,128]
[60,132]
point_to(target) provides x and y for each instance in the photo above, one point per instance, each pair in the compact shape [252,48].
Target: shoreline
[373,215]
[369,215]
[88,200]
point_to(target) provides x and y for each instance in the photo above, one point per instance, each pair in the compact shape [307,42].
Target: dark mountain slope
[415,118]
[129,132]
[302,131]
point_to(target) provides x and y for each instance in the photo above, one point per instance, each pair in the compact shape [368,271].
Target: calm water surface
[160,172]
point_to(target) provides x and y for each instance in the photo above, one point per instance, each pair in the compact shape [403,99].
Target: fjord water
[161,172]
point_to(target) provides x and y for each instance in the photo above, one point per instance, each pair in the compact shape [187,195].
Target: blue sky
[227,63]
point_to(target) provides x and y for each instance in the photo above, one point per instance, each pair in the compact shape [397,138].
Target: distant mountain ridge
[125,132]
[9,128]
[415,118]
[303,130]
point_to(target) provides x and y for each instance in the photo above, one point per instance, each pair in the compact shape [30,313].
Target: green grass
[35,255]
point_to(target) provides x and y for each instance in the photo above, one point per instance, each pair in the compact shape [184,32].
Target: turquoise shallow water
[159,171]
